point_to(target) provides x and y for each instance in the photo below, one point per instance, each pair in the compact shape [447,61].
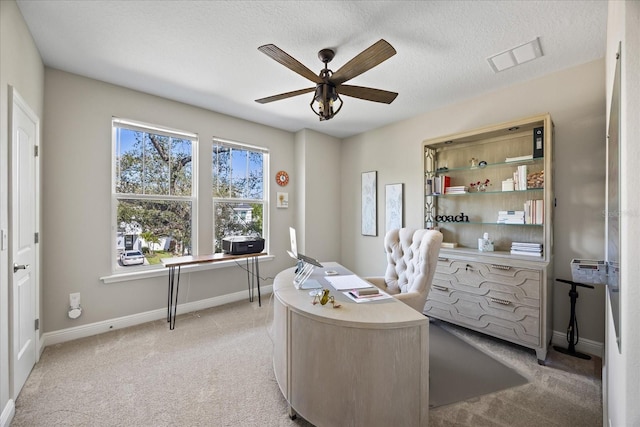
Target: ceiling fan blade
[285,95]
[370,94]
[365,60]
[289,61]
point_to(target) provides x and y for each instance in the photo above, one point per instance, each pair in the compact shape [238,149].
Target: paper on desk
[368,298]
[348,282]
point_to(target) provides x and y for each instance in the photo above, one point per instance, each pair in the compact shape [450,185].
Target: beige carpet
[459,371]
[215,369]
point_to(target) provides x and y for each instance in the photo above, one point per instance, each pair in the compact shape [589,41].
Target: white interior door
[24,251]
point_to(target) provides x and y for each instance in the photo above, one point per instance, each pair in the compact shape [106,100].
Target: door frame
[14,98]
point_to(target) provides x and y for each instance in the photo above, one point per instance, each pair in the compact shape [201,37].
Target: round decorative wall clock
[282,178]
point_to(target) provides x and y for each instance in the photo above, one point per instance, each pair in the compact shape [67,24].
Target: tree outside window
[238,191]
[153,191]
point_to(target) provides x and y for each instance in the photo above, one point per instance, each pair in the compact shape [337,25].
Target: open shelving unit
[497,292]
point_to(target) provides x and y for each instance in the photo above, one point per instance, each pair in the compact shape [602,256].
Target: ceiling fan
[329,85]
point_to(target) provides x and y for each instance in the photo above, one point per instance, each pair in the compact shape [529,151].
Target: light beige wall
[299,181]
[318,226]
[20,67]
[77,235]
[575,98]
[621,376]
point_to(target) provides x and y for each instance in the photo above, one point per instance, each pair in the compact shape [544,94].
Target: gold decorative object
[535,180]
[323,297]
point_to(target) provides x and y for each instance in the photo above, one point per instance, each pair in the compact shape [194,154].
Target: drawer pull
[500,301]
[440,288]
[443,259]
[469,267]
[500,267]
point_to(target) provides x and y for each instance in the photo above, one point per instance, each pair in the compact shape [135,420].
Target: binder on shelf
[519,158]
[538,142]
[440,183]
[428,187]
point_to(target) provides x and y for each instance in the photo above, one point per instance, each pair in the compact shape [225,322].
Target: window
[239,194]
[153,192]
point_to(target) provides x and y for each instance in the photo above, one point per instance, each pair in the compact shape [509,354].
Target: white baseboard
[584,345]
[7,414]
[50,338]
[57,337]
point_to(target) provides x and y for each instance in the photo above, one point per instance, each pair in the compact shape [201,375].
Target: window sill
[161,271]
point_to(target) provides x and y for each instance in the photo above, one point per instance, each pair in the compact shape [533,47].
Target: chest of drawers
[507,300]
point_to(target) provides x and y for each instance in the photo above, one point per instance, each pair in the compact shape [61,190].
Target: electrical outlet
[74,300]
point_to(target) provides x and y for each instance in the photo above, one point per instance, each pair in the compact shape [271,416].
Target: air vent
[518,55]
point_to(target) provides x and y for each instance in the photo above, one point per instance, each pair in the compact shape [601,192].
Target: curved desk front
[363,364]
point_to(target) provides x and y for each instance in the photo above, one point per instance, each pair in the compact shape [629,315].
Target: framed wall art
[369,204]
[282,200]
[393,206]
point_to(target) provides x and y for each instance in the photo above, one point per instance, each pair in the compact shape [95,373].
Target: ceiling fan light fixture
[325,98]
[327,83]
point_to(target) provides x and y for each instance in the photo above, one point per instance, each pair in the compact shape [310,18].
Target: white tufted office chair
[412,256]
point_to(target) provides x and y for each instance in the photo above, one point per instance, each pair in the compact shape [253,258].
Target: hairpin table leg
[257,270]
[249,280]
[172,304]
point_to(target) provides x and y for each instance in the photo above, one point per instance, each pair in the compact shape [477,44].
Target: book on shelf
[520,178]
[457,189]
[519,158]
[449,245]
[539,212]
[526,248]
[428,186]
[526,245]
[511,217]
[534,211]
[526,253]
[511,221]
[440,183]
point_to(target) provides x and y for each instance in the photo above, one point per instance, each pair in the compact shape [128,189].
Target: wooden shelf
[472,286]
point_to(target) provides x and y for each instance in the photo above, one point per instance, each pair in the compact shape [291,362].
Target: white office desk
[361,364]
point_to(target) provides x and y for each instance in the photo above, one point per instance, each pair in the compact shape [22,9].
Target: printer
[240,245]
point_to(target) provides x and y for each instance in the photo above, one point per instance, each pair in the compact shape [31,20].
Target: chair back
[412,256]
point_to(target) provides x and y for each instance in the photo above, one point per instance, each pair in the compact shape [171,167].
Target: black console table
[178,262]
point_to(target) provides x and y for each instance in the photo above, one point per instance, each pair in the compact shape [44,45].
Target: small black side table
[572,330]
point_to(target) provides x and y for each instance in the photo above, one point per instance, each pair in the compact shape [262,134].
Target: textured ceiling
[205,53]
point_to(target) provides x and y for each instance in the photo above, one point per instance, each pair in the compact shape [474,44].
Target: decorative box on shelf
[507,185]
